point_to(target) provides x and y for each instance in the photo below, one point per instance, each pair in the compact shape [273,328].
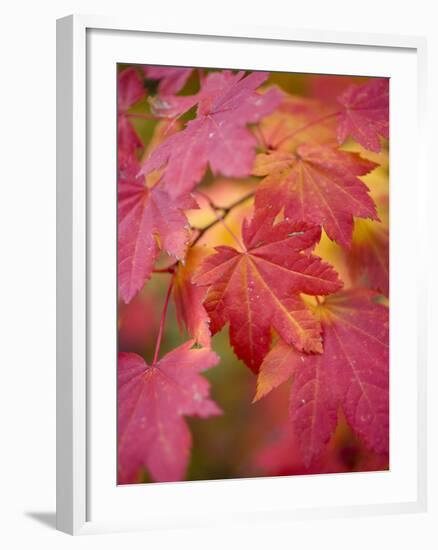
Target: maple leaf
[316,184]
[129,91]
[172,79]
[352,372]
[152,400]
[218,136]
[365,113]
[189,297]
[148,221]
[259,288]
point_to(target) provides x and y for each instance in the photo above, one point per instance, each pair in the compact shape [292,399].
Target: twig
[169,269]
[209,200]
[202,230]
[220,218]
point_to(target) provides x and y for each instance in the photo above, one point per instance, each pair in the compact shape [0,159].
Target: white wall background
[27,260]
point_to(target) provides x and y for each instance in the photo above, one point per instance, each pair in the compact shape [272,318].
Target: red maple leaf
[258,288]
[148,221]
[218,136]
[130,90]
[365,113]
[318,185]
[152,400]
[352,372]
[172,79]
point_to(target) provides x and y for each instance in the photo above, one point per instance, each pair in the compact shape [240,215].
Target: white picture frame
[86,503]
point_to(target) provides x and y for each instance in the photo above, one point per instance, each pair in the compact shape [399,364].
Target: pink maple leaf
[152,402]
[148,221]
[352,372]
[365,113]
[218,136]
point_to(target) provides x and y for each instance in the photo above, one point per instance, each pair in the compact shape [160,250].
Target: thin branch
[163,320]
[238,202]
[220,218]
[202,230]
[209,200]
[169,269]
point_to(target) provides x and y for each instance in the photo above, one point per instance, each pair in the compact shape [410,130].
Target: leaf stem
[260,137]
[306,126]
[163,320]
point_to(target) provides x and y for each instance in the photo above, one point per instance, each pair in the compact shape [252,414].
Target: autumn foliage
[260,202]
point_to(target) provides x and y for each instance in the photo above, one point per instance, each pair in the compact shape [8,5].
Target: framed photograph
[236,313]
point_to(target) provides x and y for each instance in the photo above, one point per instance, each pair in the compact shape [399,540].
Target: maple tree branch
[202,230]
[220,218]
[238,202]
[208,200]
[225,209]
[169,269]
[163,320]
[307,126]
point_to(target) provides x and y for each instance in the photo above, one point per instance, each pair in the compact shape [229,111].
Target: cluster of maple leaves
[288,313]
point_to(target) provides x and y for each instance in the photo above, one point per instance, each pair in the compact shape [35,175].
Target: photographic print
[253,274]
